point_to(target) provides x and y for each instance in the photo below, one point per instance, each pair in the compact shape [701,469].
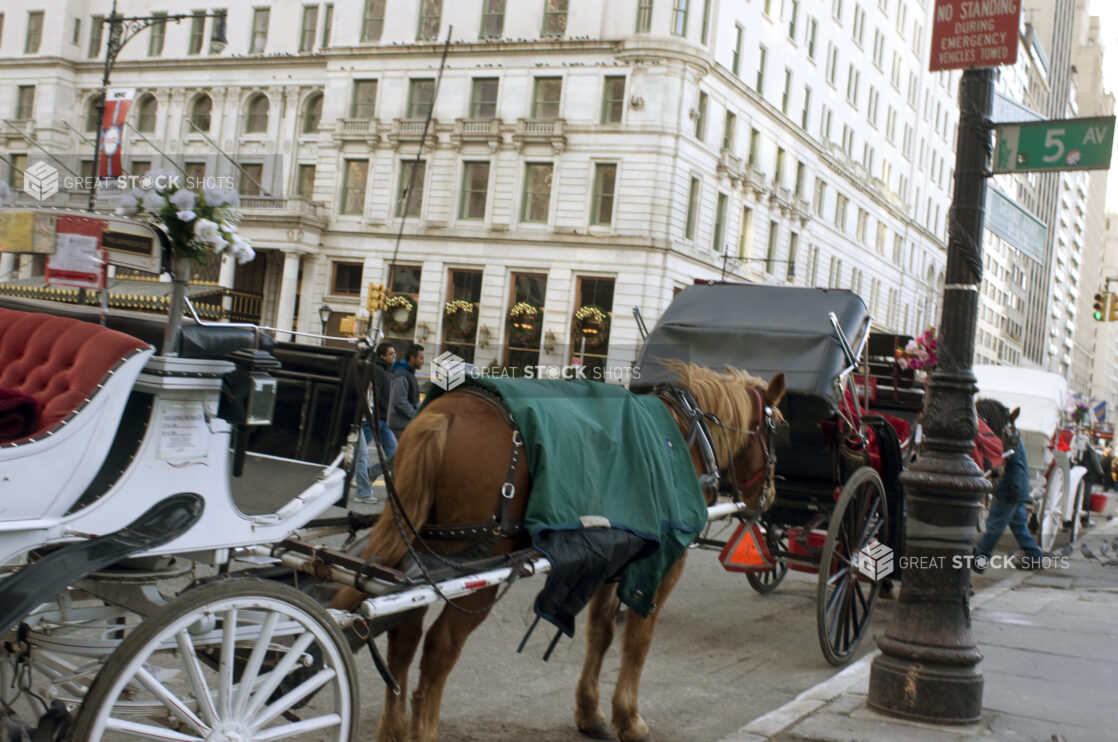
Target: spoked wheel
[242,660]
[766,582]
[1050,517]
[845,595]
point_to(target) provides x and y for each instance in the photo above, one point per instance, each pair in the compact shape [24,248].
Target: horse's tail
[417,463]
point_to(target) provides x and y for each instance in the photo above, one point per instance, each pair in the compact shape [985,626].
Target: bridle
[699,436]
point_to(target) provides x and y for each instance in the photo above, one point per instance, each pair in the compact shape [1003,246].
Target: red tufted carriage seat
[59,362]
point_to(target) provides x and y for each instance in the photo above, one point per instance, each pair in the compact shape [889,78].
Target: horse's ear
[775,392]
[1013,415]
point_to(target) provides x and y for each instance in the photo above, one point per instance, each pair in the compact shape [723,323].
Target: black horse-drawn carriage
[850,415]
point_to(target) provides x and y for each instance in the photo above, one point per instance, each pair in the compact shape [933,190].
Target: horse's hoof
[600,730]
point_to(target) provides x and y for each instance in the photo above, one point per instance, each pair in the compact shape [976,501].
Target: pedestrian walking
[364,475]
[1007,507]
[403,399]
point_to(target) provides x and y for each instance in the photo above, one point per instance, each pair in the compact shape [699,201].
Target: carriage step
[28,588]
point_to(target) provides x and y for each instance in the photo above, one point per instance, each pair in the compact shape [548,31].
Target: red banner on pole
[117,103]
[974,33]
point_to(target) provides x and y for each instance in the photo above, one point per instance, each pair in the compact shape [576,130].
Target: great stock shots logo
[40,181]
[875,560]
[448,371]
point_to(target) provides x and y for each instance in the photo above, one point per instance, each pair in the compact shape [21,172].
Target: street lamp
[324,313]
[123,29]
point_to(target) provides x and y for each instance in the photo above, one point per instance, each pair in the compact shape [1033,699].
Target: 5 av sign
[1063,144]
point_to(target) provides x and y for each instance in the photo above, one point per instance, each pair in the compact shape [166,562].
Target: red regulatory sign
[974,33]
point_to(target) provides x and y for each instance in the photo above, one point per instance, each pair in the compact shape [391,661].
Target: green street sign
[1062,144]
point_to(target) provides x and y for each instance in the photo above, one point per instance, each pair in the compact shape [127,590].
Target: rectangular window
[197,33]
[309,30]
[801,171]
[372,23]
[605,186]
[770,251]
[871,107]
[15,171]
[706,22]
[820,196]
[692,209]
[840,211]
[613,100]
[74,39]
[492,19]
[879,245]
[754,145]
[760,86]
[304,185]
[260,19]
[878,48]
[793,18]
[861,229]
[355,176]
[728,128]
[644,16]
[25,102]
[546,93]
[409,192]
[522,341]
[832,63]
[430,16]
[158,35]
[786,95]
[679,17]
[859,31]
[745,241]
[346,280]
[701,116]
[483,97]
[790,264]
[327,24]
[735,65]
[421,96]
[812,27]
[252,176]
[95,36]
[34,32]
[720,224]
[475,190]
[778,167]
[853,79]
[848,140]
[554,17]
[536,203]
[807,107]
[364,101]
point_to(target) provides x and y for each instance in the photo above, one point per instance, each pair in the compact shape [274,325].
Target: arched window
[91,112]
[145,114]
[200,111]
[312,113]
[256,120]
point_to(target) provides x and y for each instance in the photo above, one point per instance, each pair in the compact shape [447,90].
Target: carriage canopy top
[760,329]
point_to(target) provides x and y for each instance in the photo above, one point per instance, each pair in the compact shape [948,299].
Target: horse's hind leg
[441,649]
[601,613]
[638,636]
[403,640]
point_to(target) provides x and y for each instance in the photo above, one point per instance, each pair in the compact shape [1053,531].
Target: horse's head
[1002,421]
[741,413]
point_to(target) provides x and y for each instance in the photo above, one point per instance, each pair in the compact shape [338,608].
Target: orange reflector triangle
[746,551]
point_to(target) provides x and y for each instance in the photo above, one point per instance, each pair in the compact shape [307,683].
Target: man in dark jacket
[364,475]
[403,399]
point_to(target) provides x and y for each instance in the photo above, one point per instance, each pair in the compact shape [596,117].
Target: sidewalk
[1050,661]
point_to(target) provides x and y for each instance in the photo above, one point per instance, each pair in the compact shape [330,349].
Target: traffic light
[1100,307]
[377,298]
[1112,315]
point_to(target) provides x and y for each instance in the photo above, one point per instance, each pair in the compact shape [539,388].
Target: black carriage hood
[757,328]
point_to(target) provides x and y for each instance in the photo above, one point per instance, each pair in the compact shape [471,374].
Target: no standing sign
[974,33]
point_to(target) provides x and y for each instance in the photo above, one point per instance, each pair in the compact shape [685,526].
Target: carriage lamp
[248,394]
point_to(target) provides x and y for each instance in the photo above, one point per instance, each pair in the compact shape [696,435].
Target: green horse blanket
[613,488]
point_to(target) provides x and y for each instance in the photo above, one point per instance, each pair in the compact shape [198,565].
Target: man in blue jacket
[403,399]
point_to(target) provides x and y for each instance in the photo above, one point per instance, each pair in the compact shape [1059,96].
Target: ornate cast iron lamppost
[123,29]
[928,668]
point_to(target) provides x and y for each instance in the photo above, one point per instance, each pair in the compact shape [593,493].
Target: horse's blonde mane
[728,396]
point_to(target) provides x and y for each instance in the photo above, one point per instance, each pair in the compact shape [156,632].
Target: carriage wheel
[846,596]
[242,659]
[766,582]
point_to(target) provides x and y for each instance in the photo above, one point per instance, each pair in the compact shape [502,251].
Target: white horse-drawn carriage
[1059,487]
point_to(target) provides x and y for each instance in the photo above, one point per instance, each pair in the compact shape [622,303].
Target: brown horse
[451,463]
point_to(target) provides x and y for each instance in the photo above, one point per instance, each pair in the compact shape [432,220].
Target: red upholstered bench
[61,363]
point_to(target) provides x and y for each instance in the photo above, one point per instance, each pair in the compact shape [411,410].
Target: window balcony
[411,130]
[541,131]
[357,130]
[476,131]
